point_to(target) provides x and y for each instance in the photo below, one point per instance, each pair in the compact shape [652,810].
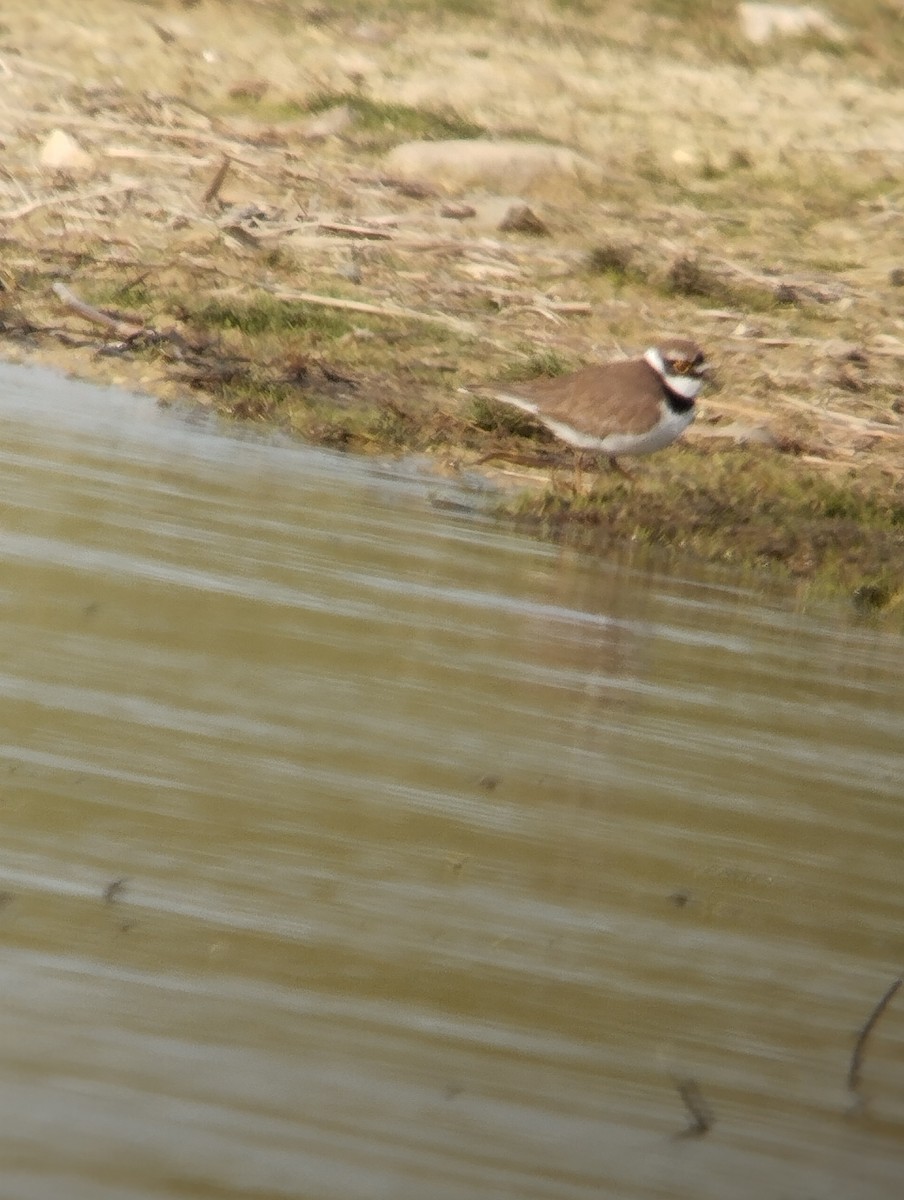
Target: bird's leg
[558,464]
[578,468]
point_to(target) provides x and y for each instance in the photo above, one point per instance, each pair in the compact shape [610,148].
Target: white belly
[671,425]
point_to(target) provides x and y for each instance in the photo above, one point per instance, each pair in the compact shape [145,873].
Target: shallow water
[437,857]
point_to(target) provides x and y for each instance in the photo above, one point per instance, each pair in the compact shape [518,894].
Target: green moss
[133,294]
[379,124]
[439,10]
[694,12]
[577,8]
[691,278]
[383,124]
[835,266]
[536,362]
[504,419]
[250,399]
[615,260]
[265,108]
[266,315]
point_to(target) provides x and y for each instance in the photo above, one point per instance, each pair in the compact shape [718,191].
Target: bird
[633,406]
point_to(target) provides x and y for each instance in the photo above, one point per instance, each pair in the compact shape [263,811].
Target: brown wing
[622,397]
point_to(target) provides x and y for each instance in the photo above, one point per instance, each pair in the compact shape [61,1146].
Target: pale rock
[745,330]
[456,211]
[372,31]
[61,152]
[479,162]
[488,211]
[847,351]
[761,22]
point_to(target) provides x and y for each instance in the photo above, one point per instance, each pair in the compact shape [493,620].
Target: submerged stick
[854,1071]
[702,1119]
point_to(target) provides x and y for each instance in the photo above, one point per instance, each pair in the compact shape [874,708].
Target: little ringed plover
[630,407]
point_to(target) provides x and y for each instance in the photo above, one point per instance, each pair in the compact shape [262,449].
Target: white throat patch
[685,385]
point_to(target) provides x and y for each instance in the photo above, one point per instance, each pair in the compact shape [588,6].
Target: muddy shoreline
[252,253]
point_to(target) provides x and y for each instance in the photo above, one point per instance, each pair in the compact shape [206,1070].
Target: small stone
[499,166]
[63,153]
[745,330]
[839,348]
[896,277]
[249,89]
[521,219]
[458,212]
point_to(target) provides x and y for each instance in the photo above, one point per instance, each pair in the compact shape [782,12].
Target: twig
[535,300]
[854,1071]
[880,428]
[539,461]
[135,281]
[413,188]
[823,293]
[157,156]
[23,210]
[361,231]
[575,307]
[29,64]
[114,890]
[377,310]
[123,329]
[213,188]
[542,311]
[701,1115]
[233,145]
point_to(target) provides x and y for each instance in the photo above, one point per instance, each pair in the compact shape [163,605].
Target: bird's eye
[682,366]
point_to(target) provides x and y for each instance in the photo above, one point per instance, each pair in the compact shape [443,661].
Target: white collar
[683,385]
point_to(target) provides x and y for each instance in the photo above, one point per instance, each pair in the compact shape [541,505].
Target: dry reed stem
[376,310]
[123,329]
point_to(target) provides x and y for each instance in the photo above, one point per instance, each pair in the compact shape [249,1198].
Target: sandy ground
[750,200]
